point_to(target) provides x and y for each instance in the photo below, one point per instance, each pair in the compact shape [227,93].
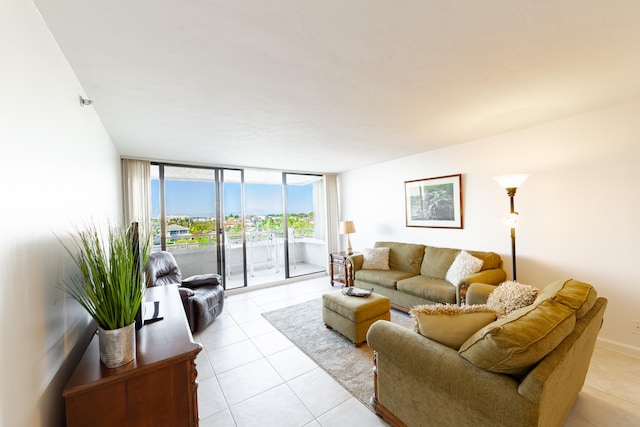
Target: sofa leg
[374,370]
[384,413]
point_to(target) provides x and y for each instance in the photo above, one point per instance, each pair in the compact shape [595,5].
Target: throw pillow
[375,259]
[576,295]
[463,266]
[510,296]
[437,261]
[514,343]
[450,324]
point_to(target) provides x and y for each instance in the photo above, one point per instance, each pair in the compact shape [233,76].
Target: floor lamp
[511,184]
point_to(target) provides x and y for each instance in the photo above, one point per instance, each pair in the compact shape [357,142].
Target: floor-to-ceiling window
[183,213]
[250,226]
[305,235]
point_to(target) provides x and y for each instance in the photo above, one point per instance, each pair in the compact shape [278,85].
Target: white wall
[578,209]
[59,168]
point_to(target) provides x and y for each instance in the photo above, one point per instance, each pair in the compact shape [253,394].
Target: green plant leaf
[110,286]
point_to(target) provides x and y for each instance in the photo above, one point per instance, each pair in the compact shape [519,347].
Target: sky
[196,198]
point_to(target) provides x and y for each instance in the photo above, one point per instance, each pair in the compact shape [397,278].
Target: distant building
[231,222]
[176,230]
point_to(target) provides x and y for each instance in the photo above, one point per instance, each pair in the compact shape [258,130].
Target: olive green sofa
[525,369]
[417,274]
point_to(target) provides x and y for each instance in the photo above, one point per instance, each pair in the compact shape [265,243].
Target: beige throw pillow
[375,258]
[510,296]
[463,266]
[450,324]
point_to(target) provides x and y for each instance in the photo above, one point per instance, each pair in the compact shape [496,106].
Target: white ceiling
[331,85]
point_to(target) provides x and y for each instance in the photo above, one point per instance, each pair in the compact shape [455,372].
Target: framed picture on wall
[434,202]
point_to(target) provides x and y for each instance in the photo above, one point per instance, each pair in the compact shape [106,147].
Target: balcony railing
[196,253]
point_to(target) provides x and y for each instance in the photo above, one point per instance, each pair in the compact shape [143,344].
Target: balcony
[197,254]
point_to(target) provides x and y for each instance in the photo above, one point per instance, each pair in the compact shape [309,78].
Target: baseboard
[619,347]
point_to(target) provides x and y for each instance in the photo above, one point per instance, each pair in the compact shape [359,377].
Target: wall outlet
[636,327]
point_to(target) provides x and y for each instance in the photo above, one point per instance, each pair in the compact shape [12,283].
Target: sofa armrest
[478,293]
[185,293]
[491,276]
[562,372]
[356,260]
[202,280]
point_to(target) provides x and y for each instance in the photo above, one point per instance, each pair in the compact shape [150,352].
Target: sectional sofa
[417,274]
[524,369]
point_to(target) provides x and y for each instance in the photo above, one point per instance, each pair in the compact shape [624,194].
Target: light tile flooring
[251,375]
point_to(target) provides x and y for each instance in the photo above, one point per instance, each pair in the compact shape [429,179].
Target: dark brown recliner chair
[202,295]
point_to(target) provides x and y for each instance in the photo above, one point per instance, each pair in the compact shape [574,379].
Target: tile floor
[251,375]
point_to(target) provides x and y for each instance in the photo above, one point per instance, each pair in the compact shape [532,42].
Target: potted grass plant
[110,285]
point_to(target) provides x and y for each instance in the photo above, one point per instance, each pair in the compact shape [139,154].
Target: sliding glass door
[305,235]
[184,216]
[249,226]
[264,226]
[232,232]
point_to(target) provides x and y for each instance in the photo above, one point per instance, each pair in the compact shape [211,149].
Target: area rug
[349,365]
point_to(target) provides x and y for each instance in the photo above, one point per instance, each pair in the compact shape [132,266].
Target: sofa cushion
[431,288]
[385,278]
[464,265]
[510,296]
[437,261]
[514,343]
[375,258]
[450,324]
[490,259]
[576,295]
[404,256]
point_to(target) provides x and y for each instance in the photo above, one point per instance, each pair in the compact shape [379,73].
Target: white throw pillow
[375,259]
[463,266]
[510,296]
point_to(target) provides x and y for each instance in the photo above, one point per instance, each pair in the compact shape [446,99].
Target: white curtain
[333,223]
[319,209]
[136,190]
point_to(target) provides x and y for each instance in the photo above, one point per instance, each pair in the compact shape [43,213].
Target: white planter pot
[117,346]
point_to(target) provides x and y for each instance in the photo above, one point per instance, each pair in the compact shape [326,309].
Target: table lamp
[347,227]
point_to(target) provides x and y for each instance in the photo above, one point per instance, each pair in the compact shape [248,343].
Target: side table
[340,268]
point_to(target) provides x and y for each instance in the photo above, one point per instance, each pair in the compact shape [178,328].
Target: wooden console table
[158,388]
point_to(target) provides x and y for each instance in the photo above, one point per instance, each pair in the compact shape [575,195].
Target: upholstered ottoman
[352,316]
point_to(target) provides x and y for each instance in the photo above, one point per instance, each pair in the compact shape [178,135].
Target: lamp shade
[511,181]
[347,227]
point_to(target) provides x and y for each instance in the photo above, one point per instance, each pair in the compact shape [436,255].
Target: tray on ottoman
[353,316]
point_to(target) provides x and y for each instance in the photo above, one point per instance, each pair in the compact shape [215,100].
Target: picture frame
[434,202]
